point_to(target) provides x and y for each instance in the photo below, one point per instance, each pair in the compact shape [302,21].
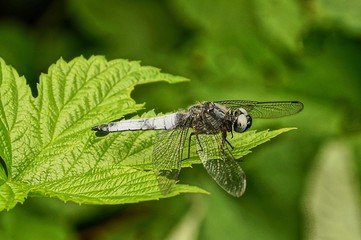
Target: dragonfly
[208,123]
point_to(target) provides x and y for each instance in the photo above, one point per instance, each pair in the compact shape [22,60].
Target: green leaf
[16,115]
[48,148]
[46,142]
[245,142]
[12,193]
[346,15]
[332,195]
[283,28]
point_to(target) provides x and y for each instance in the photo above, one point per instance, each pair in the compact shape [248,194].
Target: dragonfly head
[243,121]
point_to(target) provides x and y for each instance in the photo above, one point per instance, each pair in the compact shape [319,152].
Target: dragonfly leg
[229,143]
[189,146]
[224,140]
[199,142]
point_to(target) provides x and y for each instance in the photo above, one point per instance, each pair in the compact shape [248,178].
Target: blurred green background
[302,185]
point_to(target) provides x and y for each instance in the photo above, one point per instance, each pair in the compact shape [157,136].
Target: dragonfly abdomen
[156,123]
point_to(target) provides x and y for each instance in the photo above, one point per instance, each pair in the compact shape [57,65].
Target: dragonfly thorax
[243,121]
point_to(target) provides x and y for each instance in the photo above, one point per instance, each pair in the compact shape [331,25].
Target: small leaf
[243,143]
[12,193]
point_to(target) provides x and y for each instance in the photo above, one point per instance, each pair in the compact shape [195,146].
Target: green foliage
[305,184]
[333,178]
[49,149]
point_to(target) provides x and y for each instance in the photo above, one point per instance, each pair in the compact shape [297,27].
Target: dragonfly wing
[220,164]
[265,109]
[167,156]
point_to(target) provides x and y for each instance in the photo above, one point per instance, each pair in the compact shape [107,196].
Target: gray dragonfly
[210,122]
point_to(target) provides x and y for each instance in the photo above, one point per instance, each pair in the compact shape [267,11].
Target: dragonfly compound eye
[243,121]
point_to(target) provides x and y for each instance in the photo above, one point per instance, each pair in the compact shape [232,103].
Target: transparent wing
[167,156]
[220,164]
[265,109]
